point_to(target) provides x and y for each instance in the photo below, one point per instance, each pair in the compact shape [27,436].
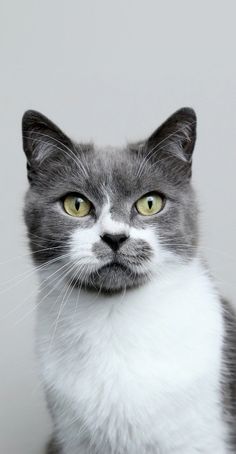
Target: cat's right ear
[41,137]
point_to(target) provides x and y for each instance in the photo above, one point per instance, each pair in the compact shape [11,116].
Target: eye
[76,205]
[150,204]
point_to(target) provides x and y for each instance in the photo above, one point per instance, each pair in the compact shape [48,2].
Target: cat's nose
[114,240]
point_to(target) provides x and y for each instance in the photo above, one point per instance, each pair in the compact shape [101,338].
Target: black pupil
[77,204]
[150,202]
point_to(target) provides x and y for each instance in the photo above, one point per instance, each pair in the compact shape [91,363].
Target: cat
[136,349]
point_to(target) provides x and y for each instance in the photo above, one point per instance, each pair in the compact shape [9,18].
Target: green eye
[150,204]
[77,206]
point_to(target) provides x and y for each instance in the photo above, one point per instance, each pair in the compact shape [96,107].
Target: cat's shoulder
[229,367]
[53,447]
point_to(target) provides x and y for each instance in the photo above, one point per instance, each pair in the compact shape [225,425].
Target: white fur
[140,370]
[109,225]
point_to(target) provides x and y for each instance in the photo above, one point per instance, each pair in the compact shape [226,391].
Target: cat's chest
[140,363]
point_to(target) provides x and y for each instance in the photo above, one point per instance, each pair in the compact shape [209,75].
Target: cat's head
[110,218]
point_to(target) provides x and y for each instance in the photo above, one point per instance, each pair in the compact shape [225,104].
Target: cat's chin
[113,278]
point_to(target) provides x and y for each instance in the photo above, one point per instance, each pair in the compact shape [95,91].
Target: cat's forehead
[98,172]
[110,158]
[118,172]
[115,168]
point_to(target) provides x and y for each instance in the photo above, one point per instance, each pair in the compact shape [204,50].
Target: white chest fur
[136,373]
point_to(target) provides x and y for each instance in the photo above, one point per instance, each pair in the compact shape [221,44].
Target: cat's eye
[76,205]
[150,204]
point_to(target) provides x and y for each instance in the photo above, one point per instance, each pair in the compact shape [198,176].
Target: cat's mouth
[113,276]
[110,277]
[114,266]
[116,276]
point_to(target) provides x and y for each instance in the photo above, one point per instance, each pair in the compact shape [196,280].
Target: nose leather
[114,240]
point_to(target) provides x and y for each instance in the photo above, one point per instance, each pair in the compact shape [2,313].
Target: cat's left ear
[41,137]
[176,136]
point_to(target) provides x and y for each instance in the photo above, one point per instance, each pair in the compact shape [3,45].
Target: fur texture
[53,448]
[136,349]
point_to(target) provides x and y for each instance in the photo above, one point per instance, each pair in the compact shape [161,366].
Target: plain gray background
[109,71]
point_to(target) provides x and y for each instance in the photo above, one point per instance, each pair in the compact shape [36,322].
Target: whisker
[27,274]
[62,305]
[63,275]
[32,293]
[17,257]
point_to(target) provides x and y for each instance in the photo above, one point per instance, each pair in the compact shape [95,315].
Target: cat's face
[109,218]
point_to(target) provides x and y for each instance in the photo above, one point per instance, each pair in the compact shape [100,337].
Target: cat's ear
[41,137]
[176,136]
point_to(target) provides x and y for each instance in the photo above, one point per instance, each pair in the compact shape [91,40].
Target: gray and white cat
[137,351]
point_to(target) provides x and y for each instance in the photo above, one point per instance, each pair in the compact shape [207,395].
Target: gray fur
[53,448]
[229,370]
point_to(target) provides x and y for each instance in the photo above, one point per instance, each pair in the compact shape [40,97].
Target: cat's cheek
[81,246]
[160,255]
[149,236]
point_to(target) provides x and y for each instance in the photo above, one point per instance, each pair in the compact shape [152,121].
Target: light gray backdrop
[110,71]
